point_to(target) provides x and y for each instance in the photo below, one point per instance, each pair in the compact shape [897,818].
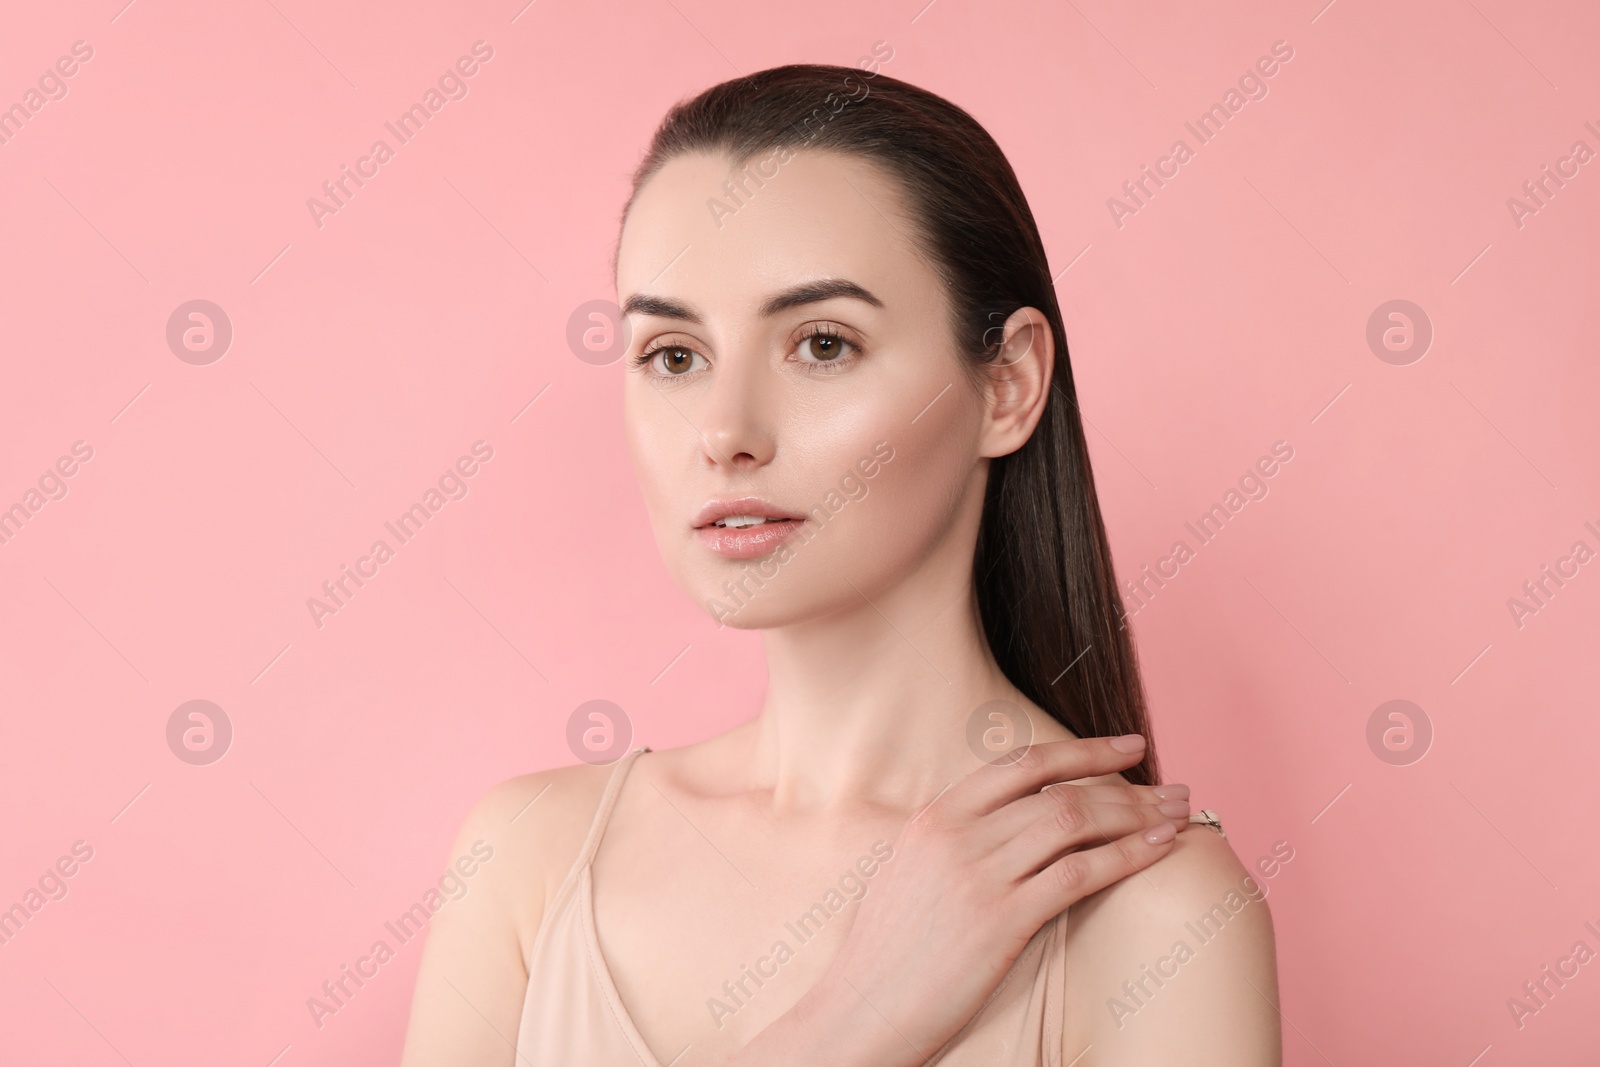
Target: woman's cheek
[656,463]
[896,494]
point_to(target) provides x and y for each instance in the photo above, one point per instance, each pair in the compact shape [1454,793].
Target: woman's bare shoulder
[518,841]
[536,823]
[1183,948]
[1200,866]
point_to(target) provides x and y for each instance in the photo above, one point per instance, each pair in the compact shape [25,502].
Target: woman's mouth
[745,528]
[745,536]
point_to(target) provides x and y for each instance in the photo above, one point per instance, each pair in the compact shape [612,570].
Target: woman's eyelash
[825,366]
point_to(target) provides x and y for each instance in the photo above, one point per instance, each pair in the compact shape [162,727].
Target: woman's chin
[765,609]
[749,615]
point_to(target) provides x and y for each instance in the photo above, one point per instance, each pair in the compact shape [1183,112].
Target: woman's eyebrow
[815,292]
[795,296]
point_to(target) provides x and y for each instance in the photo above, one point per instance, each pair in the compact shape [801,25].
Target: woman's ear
[1017,381]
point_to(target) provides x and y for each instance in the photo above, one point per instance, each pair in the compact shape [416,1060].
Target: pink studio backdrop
[371,348]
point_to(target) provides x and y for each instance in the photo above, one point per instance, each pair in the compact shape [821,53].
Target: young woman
[850,407]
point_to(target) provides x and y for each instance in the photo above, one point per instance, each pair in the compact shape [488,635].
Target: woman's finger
[1013,818]
[1087,871]
[1067,824]
[995,784]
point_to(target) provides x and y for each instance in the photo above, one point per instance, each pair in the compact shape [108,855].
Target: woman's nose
[736,427]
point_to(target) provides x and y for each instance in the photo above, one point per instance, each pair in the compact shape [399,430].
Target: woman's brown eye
[824,348]
[677,359]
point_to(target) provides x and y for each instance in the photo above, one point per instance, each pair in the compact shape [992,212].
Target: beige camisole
[572,1014]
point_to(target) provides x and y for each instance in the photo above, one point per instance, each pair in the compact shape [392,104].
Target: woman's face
[797,364]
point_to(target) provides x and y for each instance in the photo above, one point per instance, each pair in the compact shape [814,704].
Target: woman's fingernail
[1128,742]
[1162,834]
[1171,792]
[1174,809]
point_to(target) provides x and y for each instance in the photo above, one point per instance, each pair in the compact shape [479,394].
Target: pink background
[368,354]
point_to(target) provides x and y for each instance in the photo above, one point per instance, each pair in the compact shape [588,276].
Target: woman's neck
[871,705]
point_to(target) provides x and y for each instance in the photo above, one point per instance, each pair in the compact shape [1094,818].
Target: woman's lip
[715,510]
[749,542]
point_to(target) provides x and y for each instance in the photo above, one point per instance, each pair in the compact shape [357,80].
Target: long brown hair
[1046,589]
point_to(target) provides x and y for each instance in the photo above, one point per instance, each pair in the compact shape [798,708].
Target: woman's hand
[975,875]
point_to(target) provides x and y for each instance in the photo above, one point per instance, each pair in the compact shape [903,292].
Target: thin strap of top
[608,800]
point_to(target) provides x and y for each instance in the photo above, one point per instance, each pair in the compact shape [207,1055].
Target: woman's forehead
[702,228]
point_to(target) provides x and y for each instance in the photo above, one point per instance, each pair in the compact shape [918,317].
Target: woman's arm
[473,975]
[1175,965]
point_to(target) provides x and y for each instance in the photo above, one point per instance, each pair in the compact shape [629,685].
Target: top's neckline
[607,981]
[591,932]
[602,970]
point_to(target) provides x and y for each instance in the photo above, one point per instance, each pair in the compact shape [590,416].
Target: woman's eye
[674,360]
[824,347]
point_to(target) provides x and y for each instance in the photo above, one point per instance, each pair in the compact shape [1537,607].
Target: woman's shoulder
[1201,869]
[543,817]
[541,800]
[1186,943]
[536,824]
[521,836]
